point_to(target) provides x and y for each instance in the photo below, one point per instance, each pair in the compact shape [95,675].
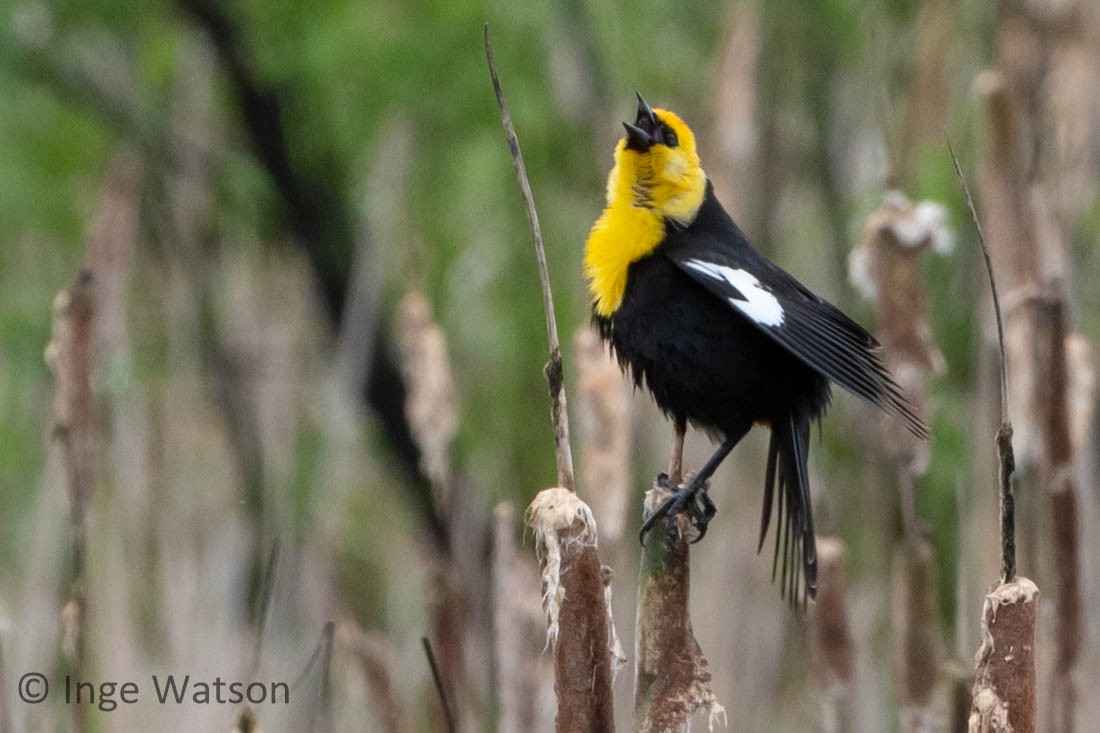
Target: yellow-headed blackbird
[720,335]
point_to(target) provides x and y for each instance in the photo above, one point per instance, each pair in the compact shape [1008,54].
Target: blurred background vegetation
[277,177]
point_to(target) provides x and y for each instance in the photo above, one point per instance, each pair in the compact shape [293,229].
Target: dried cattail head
[430,404]
[560,521]
[885,266]
[576,596]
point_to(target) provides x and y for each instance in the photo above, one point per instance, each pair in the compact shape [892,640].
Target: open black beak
[645,119]
[637,138]
[640,135]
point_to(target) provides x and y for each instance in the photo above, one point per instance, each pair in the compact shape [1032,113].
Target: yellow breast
[622,235]
[644,191]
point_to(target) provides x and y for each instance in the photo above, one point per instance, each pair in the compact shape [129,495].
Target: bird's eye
[669,137]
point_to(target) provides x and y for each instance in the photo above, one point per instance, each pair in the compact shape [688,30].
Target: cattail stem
[558,412]
[576,599]
[887,263]
[1004,690]
[1004,695]
[832,640]
[1006,459]
[70,357]
[671,679]
[576,585]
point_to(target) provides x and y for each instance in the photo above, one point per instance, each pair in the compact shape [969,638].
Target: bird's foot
[692,500]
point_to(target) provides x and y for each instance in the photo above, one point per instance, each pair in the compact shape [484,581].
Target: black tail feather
[769,486]
[794,536]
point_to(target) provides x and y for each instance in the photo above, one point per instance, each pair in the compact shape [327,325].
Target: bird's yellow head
[657,167]
[657,180]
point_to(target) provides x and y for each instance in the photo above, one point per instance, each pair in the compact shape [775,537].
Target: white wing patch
[759,304]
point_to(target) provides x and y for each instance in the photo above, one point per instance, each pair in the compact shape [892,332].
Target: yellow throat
[645,191]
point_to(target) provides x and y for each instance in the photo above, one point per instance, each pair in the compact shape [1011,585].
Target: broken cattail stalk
[576,596]
[918,640]
[1004,689]
[1057,475]
[603,411]
[1031,122]
[885,265]
[1003,441]
[832,642]
[430,407]
[576,585]
[430,401]
[70,356]
[447,619]
[88,323]
[671,679]
[1004,693]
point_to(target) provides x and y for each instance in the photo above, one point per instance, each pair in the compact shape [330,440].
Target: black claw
[701,515]
[692,499]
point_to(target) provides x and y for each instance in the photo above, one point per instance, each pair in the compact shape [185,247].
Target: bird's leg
[676,454]
[693,498]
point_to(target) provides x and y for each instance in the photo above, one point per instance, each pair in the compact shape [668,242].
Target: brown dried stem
[1004,695]
[887,262]
[671,679]
[577,602]
[1004,690]
[918,639]
[1035,107]
[1005,455]
[430,400]
[77,338]
[70,356]
[1058,479]
[576,585]
[558,410]
[832,639]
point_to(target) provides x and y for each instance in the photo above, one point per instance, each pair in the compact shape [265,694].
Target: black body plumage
[724,338]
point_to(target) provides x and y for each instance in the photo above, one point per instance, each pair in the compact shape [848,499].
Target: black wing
[715,253]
